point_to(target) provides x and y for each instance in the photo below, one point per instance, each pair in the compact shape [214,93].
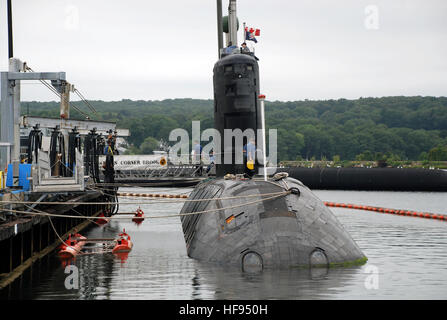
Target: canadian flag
[255,32]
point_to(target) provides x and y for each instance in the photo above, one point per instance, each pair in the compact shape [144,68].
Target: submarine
[241,218]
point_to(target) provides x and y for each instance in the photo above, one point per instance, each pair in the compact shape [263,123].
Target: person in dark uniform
[244,48]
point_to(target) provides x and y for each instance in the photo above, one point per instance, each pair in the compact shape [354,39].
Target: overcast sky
[154,50]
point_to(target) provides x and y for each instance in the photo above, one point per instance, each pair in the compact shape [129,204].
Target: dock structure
[168,176]
[60,163]
[25,239]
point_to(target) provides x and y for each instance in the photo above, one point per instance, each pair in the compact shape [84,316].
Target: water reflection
[313,283]
[122,256]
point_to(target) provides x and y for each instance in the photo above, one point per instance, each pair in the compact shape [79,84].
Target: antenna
[219,26]
[10,52]
[232,22]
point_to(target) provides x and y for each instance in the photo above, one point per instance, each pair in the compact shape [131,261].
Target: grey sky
[153,50]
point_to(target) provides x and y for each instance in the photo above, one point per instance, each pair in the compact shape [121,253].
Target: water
[407,259]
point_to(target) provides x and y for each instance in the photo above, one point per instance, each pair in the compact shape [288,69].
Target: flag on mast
[251,33]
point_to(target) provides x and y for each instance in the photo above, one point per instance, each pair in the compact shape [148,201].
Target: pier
[52,167]
[25,239]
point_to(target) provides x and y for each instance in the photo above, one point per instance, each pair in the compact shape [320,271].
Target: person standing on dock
[197,156]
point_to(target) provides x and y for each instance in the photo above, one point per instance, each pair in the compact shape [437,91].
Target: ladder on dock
[42,181]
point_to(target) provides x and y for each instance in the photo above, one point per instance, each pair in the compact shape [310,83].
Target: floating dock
[371,179]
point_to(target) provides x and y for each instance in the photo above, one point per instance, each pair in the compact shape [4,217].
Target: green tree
[149,145]
[132,150]
[404,127]
[365,156]
[438,153]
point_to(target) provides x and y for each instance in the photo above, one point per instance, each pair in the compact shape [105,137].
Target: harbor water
[407,259]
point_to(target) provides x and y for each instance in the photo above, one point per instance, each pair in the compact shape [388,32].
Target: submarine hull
[279,230]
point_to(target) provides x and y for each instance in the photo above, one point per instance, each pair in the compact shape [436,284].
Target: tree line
[398,128]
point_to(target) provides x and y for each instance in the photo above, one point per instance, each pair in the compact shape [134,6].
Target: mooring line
[79,252]
[152,195]
[42,213]
[168,196]
[401,212]
[60,239]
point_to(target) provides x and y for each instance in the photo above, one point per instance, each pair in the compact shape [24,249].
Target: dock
[26,239]
[53,175]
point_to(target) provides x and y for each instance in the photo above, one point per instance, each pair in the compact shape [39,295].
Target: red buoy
[72,246]
[123,243]
[139,216]
[103,219]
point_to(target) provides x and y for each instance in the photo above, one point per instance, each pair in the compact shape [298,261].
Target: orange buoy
[72,246]
[389,211]
[103,219]
[139,216]
[123,243]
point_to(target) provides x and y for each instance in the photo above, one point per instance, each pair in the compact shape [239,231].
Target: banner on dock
[138,162]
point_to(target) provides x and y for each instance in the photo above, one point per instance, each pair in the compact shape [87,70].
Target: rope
[95,188]
[80,95]
[152,195]
[400,212]
[55,231]
[220,209]
[42,213]
[46,84]
[4,202]
[63,242]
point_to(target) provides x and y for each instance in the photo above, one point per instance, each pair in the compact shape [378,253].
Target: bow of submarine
[291,230]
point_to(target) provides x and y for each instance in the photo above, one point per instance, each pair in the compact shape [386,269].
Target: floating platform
[383,179]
